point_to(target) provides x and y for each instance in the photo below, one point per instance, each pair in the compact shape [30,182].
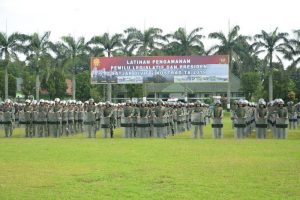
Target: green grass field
[174,168]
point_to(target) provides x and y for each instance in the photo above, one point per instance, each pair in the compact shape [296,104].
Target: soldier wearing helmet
[90,118]
[261,115]
[198,119]
[217,120]
[126,120]
[292,115]
[281,120]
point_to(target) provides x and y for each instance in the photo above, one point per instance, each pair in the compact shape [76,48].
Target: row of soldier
[145,119]
[274,116]
[57,118]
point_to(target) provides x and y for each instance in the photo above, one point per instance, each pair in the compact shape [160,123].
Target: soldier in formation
[144,119]
[217,123]
[261,115]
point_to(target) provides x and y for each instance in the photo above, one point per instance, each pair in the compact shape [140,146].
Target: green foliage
[184,43]
[12,85]
[134,90]
[72,55]
[96,92]
[83,86]
[282,84]
[56,85]
[28,86]
[250,83]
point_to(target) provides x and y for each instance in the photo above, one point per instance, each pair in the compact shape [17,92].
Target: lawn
[174,168]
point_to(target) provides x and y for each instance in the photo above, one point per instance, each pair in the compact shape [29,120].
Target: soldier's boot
[6,130]
[195,131]
[26,131]
[11,131]
[220,133]
[111,132]
[201,131]
[89,131]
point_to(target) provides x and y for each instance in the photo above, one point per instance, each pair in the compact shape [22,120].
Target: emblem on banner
[96,62]
[222,60]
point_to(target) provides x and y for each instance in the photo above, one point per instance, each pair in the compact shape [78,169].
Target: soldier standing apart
[292,115]
[8,118]
[198,119]
[281,120]
[217,120]
[90,120]
[261,119]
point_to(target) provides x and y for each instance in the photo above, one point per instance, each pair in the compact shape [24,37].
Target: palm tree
[110,44]
[9,47]
[187,44]
[128,45]
[37,50]
[74,50]
[294,54]
[233,45]
[272,43]
[146,41]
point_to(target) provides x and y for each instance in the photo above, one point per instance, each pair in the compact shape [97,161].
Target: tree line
[44,64]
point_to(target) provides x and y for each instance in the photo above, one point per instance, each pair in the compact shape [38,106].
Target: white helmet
[57,100]
[7,101]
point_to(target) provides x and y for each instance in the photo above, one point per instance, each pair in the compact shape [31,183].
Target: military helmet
[7,101]
[218,102]
[241,101]
[198,102]
[57,100]
[261,102]
[27,101]
[280,101]
[42,101]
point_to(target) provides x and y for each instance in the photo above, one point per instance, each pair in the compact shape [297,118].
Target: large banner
[159,69]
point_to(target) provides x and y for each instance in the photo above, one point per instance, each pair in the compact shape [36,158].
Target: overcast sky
[94,17]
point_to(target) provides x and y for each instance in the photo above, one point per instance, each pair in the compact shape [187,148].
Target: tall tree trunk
[74,86]
[6,82]
[37,85]
[109,92]
[74,80]
[271,80]
[229,81]
[108,84]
